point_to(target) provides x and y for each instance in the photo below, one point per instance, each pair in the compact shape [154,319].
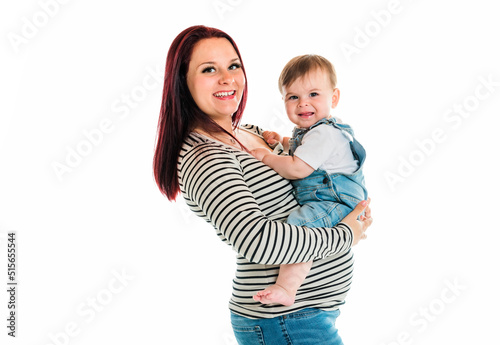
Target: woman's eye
[208,70]
[235,66]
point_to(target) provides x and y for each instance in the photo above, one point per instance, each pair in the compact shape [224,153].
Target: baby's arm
[290,167]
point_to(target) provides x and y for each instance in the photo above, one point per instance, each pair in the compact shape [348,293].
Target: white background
[69,67]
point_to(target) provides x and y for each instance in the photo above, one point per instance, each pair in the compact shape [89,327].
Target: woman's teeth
[224,94]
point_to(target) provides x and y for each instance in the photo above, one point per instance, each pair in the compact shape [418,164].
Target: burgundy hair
[179,114]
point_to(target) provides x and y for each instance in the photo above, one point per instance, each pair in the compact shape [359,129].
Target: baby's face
[310,98]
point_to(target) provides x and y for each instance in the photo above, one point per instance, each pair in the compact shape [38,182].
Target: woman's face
[215,78]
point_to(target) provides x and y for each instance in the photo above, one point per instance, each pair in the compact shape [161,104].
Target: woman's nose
[226,78]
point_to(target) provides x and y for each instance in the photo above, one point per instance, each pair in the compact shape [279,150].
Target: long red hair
[179,114]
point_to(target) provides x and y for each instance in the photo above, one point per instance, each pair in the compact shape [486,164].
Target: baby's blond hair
[299,66]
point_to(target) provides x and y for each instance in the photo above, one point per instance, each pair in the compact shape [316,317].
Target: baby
[324,162]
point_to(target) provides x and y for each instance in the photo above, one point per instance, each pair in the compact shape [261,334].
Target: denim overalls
[326,199]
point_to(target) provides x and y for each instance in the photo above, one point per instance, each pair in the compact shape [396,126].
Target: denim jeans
[305,327]
[326,199]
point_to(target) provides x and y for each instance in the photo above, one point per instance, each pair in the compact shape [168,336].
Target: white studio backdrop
[103,258]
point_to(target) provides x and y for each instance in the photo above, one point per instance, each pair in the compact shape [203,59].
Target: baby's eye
[293,97]
[208,70]
[313,94]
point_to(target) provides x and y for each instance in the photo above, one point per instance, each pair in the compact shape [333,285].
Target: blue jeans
[305,327]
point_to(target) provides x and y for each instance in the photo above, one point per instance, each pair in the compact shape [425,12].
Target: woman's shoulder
[203,161]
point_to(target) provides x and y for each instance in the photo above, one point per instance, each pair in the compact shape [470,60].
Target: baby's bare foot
[275,294]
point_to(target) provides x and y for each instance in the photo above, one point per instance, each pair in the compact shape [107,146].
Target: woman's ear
[335,97]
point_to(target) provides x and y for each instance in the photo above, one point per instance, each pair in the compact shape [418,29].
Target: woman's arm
[213,180]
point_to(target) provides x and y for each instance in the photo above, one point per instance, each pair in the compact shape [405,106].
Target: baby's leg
[284,290]
[313,214]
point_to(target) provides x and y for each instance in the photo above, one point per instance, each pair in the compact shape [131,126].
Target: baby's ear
[335,97]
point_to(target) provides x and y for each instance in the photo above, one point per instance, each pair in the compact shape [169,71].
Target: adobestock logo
[31,26]
[121,108]
[429,313]
[92,305]
[223,6]
[278,123]
[363,36]
[425,147]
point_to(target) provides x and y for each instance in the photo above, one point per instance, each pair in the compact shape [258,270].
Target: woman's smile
[223,95]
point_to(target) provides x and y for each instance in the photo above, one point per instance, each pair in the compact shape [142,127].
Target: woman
[202,153]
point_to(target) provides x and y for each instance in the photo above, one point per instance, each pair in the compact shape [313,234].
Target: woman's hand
[359,227]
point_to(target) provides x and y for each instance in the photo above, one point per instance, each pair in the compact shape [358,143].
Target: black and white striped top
[247,203]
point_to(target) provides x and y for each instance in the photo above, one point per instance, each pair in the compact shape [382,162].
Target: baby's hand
[272,137]
[259,153]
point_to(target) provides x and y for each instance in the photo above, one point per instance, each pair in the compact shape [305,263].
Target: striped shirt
[248,203]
